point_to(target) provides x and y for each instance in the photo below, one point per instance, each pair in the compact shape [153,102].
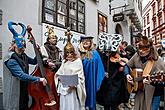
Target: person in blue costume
[16,72]
[93,70]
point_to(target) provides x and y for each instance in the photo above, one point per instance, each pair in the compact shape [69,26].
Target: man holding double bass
[16,72]
[45,98]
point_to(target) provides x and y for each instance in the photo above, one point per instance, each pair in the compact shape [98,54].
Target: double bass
[43,97]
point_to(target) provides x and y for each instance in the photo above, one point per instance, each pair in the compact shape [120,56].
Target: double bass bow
[43,97]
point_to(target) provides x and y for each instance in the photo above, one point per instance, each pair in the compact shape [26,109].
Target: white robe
[71,100]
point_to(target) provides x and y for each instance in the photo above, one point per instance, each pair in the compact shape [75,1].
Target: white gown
[71,100]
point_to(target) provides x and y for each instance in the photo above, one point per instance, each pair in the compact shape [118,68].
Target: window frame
[106,23]
[67,20]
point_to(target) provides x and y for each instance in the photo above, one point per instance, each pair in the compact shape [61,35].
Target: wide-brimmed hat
[86,37]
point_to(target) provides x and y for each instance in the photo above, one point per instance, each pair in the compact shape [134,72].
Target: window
[148,31]
[155,40]
[144,21]
[154,23]
[148,21]
[160,19]
[161,36]
[102,23]
[145,32]
[65,13]
[154,9]
[159,5]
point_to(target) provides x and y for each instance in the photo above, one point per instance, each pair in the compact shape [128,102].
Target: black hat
[130,48]
[85,37]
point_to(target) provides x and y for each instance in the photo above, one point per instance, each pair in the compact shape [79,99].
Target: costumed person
[93,70]
[130,51]
[72,97]
[122,47]
[113,90]
[51,58]
[137,39]
[50,52]
[16,72]
[147,62]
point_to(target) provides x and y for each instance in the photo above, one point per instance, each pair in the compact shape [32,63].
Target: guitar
[137,84]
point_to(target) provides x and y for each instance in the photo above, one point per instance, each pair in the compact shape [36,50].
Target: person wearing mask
[16,72]
[93,70]
[51,54]
[72,97]
[113,91]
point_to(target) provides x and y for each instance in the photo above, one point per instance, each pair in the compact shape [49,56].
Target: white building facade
[85,17]
[132,21]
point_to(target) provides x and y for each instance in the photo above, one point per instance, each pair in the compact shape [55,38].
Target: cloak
[94,74]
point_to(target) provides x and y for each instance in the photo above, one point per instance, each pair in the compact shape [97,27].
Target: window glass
[102,23]
[65,13]
[50,4]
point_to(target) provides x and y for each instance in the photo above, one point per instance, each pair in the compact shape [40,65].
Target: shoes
[120,107]
[132,102]
[128,105]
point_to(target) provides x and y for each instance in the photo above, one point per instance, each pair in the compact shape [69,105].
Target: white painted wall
[125,23]
[26,12]
[29,12]
[138,11]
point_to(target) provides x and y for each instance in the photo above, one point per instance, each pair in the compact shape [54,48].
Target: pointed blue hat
[18,38]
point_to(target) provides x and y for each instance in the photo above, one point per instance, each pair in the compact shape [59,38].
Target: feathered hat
[18,38]
[50,32]
[68,47]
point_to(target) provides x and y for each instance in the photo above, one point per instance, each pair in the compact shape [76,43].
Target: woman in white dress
[71,97]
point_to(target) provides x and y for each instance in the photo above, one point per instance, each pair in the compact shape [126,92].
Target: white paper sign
[69,80]
[62,39]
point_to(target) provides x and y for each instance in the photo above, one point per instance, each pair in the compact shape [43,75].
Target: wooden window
[65,13]
[102,23]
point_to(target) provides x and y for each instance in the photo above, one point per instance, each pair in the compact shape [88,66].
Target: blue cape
[94,74]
